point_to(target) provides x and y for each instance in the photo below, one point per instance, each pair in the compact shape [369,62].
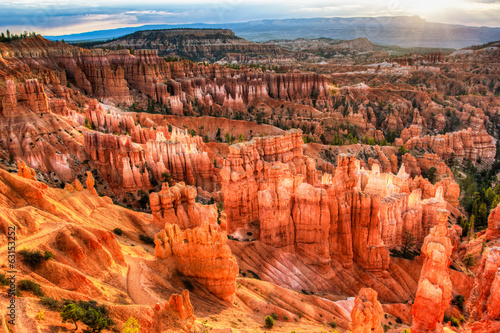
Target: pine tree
[469,261]
[472,221]
[495,202]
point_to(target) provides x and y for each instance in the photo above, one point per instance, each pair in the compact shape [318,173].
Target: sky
[59,17]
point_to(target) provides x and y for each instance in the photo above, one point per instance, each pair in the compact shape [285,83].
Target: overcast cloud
[56,17]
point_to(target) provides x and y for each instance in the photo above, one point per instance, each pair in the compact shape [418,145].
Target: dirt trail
[136,290]
[24,324]
[45,229]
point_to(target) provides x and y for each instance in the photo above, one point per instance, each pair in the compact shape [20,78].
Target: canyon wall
[353,216]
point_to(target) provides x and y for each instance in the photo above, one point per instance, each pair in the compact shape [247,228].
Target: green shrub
[3,280]
[131,326]
[33,258]
[95,316]
[147,239]
[274,315]
[269,322]
[30,286]
[402,150]
[118,231]
[446,319]
[399,320]
[455,322]
[52,303]
[459,301]
[48,255]
[333,324]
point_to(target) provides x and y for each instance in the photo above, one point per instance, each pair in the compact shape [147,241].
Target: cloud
[55,17]
[149,12]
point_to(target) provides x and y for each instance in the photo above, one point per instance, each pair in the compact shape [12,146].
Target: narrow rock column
[434,290]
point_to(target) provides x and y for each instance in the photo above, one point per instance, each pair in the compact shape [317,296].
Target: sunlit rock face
[367,313]
[176,205]
[493,230]
[200,253]
[353,215]
[434,291]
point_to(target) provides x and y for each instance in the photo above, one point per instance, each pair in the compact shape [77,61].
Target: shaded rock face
[484,301]
[434,290]
[31,130]
[493,230]
[128,165]
[195,44]
[201,253]
[367,313]
[353,216]
[176,205]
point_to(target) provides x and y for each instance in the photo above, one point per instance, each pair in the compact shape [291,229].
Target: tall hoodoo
[434,290]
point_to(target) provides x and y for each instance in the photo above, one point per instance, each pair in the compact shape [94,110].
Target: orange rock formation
[434,290]
[484,301]
[367,313]
[354,215]
[176,205]
[493,230]
[201,253]
[25,171]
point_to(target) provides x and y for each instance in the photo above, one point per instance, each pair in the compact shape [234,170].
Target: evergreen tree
[469,261]
[482,215]
[489,196]
[472,221]
[495,202]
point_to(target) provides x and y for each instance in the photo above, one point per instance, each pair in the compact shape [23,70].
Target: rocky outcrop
[367,313]
[177,312]
[493,230]
[119,161]
[465,144]
[196,44]
[77,185]
[176,205]
[434,290]
[90,182]
[353,216]
[29,95]
[484,301]
[247,165]
[25,171]
[200,253]
[130,166]
[311,216]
